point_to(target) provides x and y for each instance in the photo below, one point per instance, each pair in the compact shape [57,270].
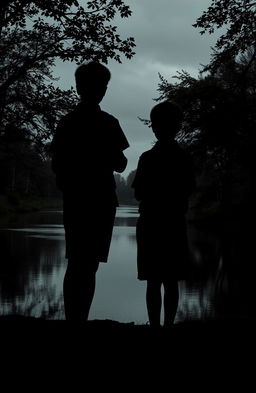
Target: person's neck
[166,142]
[89,104]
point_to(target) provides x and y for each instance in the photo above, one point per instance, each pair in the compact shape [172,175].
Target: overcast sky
[166,43]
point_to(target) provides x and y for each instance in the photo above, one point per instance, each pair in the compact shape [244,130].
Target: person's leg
[171,299]
[78,288]
[154,302]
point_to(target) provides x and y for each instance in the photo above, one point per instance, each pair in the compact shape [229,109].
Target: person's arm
[137,182]
[120,143]
[57,154]
[120,162]
[191,178]
[54,153]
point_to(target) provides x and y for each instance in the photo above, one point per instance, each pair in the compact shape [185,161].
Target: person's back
[88,141]
[163,183]
[164,179]
[87,148]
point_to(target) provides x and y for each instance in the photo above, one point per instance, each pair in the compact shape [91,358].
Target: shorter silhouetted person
[163,183]
[87,148]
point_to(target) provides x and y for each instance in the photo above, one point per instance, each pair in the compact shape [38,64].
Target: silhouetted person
[163,183]
[87,148]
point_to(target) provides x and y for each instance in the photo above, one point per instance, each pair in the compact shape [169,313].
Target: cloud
[166,43]
[163,30]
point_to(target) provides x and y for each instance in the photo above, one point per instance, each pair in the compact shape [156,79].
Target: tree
[130,190]
[120,187]
[33,35]
[123,187]
[239,20]
[24,171]
[218,124]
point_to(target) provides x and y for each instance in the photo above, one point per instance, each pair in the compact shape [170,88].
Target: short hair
[167,111]
[91,71]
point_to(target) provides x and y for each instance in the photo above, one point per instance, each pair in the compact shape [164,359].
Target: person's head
[166,119]
[91,81]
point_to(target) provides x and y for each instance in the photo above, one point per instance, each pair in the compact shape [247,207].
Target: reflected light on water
[33,266]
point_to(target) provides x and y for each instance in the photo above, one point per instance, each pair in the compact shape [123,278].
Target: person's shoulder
[70,120]
[68,117]
[181,149]
[186,153]
[146,155]
[185,156]
[107,116]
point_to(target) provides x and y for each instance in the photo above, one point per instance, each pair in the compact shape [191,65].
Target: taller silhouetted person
[87,149]
[163,183]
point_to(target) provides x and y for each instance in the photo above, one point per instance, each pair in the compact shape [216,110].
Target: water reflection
[32,268]
[33,265]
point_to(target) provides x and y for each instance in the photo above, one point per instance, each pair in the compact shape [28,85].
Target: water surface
[33,265]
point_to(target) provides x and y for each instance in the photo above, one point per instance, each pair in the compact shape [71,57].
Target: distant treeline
[26,173]
[218,131]
[124,190]
[219,105]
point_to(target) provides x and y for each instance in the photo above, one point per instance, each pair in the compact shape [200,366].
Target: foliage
[36,33]
[219,105]
[33,35]
[124,190]
[218,125]
[68,29]
[237,19]
[24,171]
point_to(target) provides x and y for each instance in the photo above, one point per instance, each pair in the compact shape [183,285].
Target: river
[33,265]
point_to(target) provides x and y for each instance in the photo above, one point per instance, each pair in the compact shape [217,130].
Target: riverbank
[13,203]
[210,337]
[208,213]
[228,323]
